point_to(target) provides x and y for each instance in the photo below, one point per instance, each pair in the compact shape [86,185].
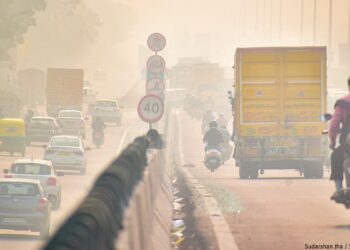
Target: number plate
[14,221]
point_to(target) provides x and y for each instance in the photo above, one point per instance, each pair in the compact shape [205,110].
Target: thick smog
[174,124]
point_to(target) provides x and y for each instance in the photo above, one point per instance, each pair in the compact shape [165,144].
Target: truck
[64,90]
[280,94]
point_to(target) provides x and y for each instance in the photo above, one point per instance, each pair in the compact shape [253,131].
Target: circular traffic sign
[156,42]
[155,86]
[156,64]
[150,108]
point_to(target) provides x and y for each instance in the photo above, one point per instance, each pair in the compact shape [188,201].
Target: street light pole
[315,15]
[301,21]
[330,26]
[280,28]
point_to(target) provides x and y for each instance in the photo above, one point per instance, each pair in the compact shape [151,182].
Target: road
[74,186]
[280,210]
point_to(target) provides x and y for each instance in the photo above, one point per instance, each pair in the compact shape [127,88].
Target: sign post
[151,106]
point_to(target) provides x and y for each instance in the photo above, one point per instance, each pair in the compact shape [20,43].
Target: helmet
[213,124]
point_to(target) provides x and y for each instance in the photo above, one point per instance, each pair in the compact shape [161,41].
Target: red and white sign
[155,64]
[156,42]
[155,86]
[150,108]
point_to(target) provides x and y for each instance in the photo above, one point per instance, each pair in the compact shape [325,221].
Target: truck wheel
[254,172]
[243,173]
[248,170]
[313,170]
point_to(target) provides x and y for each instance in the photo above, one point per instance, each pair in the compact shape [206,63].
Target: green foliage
[16,16]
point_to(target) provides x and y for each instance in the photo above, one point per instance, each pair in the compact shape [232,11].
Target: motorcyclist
[213,137]
[207,118]
[98,126]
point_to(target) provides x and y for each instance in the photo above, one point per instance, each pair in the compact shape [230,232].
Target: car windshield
[111,104]
[19,188]
[75,114]
[65,142]
[31,169]
[42,122]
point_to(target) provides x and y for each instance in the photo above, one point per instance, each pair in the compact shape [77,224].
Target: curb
[224,237]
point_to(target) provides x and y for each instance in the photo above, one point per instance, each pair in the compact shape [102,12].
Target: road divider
[128,207]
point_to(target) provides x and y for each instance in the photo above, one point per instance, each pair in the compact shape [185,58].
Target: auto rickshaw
[12,136]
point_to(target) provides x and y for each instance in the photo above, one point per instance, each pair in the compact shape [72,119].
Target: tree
[16,16]
[62,36]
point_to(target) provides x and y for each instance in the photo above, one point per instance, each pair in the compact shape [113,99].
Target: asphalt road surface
[74,185]
[280,210]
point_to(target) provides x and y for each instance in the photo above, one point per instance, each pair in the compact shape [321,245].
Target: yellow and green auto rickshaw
[12,136]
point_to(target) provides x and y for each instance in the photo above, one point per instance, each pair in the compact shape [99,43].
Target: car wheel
[45,231]
[55,201]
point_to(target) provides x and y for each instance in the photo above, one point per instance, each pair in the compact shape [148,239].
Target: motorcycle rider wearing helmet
[98,126]
[213,137]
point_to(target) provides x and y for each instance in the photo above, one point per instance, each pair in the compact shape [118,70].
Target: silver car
[42,171]
[24,206]
[71,122]
[67,152]
[108,111]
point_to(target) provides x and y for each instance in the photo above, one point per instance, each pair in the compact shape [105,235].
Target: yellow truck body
[64,89]
[280,95]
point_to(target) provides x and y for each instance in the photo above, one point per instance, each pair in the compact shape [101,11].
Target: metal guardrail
[98,220]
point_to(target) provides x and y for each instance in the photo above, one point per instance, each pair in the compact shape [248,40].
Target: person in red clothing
[341,111]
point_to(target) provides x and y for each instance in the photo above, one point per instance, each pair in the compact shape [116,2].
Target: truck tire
[313,170]
[248,170]
[243,172]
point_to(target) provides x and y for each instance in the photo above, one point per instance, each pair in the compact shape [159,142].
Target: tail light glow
[52,181]
[42,205]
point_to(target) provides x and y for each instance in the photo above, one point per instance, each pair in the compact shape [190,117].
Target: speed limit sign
[150,108]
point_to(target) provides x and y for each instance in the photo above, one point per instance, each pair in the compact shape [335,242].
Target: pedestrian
[339,125]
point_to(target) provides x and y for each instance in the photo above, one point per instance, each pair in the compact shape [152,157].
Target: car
[108,111]
[42,171]
[40,129]
[24,206]
[66,152]
[71,122]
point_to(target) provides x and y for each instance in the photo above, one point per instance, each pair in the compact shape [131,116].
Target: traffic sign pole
[151,106]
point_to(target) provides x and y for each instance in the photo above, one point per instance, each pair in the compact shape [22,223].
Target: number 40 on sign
[151,108]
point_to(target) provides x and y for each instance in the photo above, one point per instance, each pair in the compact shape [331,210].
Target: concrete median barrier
[128,207]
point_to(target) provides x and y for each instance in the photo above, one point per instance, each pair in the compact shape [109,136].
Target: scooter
[97,138]
[213,158]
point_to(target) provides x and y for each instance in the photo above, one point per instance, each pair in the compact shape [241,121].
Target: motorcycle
[97,138]
[213,158]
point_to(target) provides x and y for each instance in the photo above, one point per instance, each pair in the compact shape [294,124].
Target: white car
[108,111]
[42,171]
[71,122]
[66,152]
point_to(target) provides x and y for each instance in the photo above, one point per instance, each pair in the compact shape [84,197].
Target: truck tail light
[42,204]
[51,181]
